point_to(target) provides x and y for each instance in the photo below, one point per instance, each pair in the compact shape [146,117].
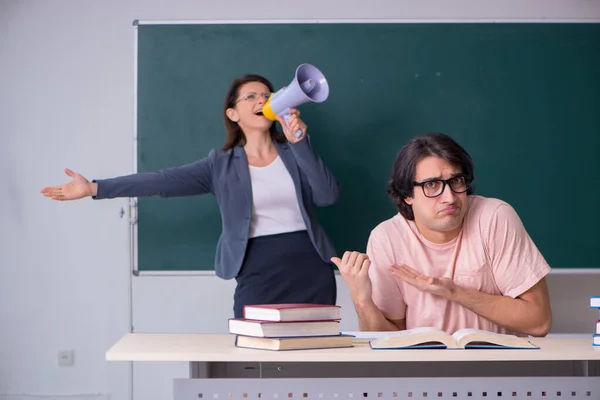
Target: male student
[449,259]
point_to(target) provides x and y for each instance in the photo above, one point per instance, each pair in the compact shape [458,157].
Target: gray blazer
[226,175]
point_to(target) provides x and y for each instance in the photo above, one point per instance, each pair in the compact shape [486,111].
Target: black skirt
[283,268]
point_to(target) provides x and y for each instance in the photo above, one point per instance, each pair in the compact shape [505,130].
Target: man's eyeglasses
[435,187]
[252,96]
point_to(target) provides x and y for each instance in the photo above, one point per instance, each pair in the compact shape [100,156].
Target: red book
[250,327]
[292,312]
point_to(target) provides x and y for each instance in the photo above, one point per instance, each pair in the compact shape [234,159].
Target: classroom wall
[66,100]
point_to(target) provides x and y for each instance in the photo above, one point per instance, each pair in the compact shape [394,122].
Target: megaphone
[309,84]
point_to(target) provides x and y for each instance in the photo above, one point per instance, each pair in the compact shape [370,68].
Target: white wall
[66,101]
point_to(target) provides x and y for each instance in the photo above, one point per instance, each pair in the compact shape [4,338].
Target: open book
[433,338]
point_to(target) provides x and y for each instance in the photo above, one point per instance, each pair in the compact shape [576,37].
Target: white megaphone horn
[309,84]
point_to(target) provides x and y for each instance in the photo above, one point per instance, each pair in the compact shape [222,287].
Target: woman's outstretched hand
[78,188]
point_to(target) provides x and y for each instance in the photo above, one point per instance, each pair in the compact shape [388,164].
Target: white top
[275,206]
[221,348]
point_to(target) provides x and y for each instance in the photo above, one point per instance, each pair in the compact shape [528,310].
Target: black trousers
[283,268]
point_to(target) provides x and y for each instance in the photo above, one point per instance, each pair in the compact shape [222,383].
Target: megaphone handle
[286,117]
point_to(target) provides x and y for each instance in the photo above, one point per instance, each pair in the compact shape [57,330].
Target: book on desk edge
[294,343]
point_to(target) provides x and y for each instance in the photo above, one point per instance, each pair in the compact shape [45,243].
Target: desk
[562,368]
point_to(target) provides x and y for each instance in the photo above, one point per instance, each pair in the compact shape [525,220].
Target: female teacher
[267,184]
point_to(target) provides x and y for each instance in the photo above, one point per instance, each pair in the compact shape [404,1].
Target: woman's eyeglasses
[252,96]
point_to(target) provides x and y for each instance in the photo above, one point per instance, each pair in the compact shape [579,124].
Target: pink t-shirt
[492,253]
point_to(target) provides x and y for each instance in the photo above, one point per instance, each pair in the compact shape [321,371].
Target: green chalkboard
[523,99]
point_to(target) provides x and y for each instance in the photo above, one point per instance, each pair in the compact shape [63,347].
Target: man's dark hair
[401,183]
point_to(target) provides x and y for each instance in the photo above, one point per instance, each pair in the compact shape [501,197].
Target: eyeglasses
[252,96]
[435,187]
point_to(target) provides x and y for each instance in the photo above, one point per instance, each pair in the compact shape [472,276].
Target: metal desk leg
[199,369]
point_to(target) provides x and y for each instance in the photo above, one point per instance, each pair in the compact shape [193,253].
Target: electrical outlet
[65,357]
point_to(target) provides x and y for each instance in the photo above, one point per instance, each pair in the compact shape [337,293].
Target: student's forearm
[512,314]
[370,318]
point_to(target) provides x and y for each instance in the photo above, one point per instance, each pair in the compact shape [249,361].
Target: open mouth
[258,112]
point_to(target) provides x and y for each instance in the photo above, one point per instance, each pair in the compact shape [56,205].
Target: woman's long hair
[235,135]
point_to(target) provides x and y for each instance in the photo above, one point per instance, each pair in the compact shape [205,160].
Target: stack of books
[595,303]
[289,327]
